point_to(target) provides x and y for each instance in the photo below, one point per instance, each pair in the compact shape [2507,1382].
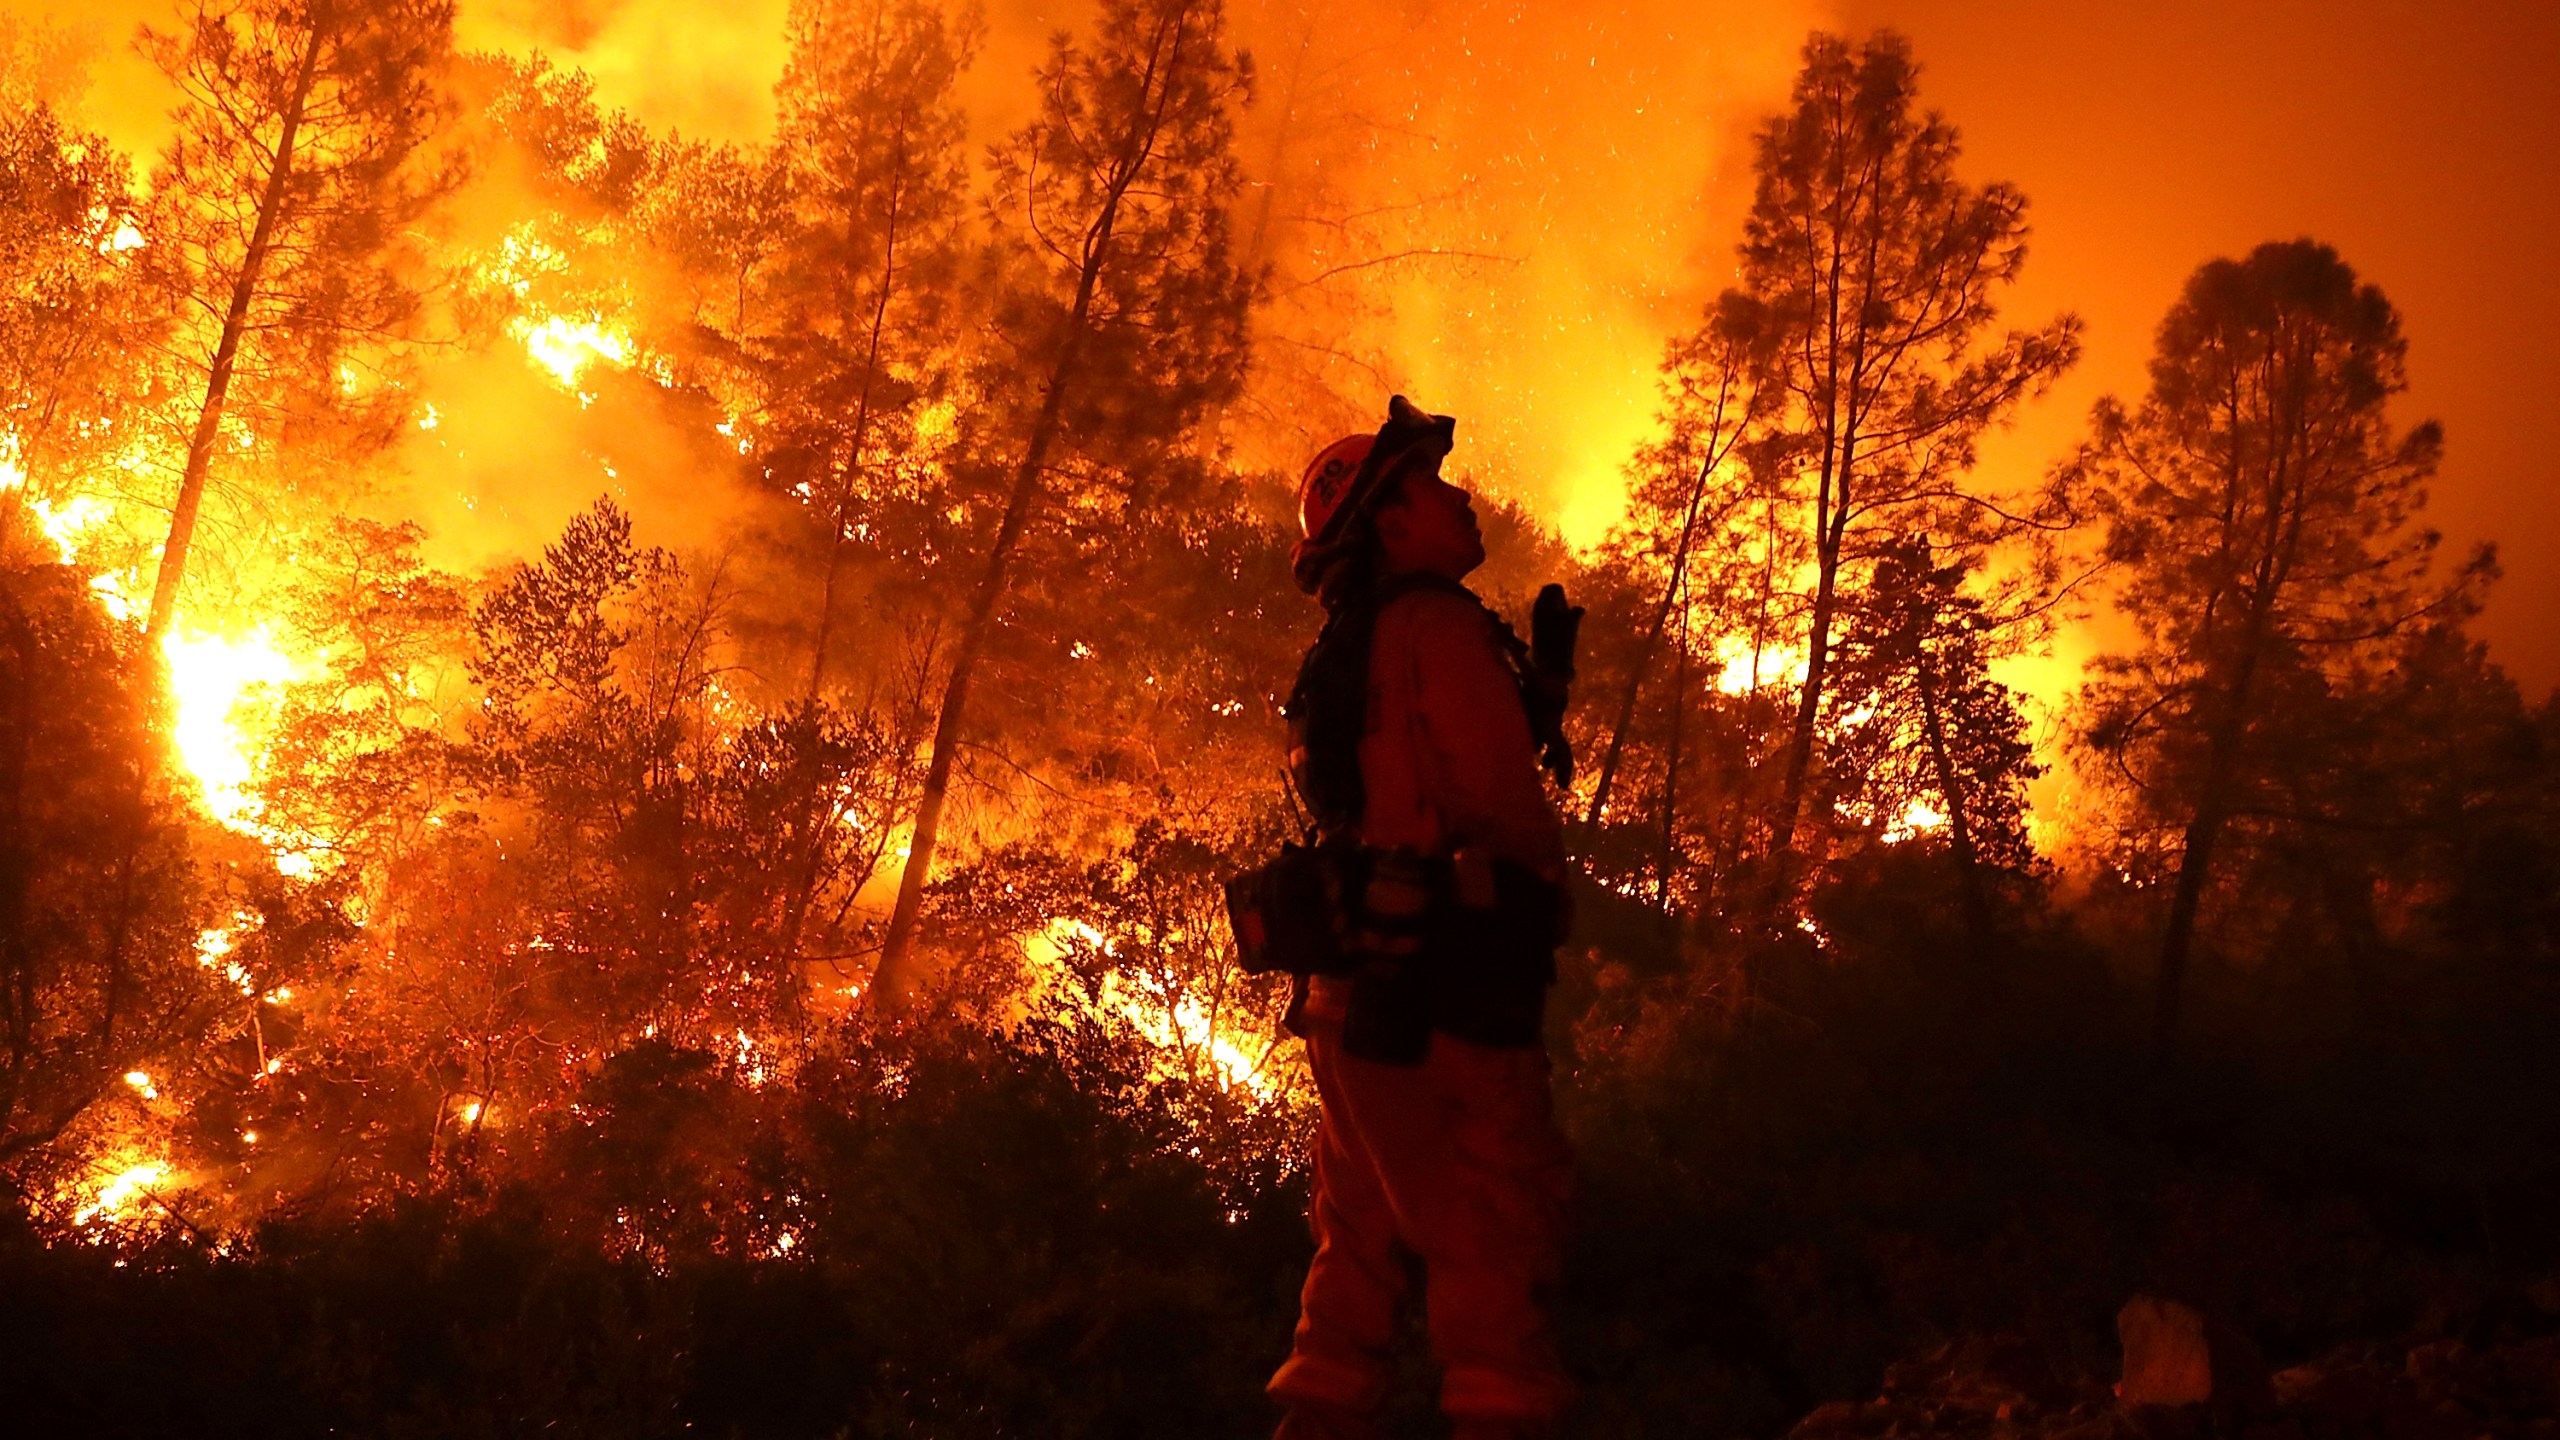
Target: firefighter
[1418,727]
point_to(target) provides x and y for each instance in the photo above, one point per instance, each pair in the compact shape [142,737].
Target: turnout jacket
[1446,755]
[1447,759]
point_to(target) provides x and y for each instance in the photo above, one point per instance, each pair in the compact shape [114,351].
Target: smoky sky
[1569,181]
[2422,140]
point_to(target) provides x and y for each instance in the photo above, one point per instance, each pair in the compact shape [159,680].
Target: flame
[212,949]
[112,598]
[566,347]
[68,524]
[1742,667]
[752,1069]
[116,1199]
[210,676]
[1917,818]
[1184,1028]
[936,423]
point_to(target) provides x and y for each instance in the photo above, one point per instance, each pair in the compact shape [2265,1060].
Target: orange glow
[212,678]
[124,1193]
[1742,668]
[1182,1029]
[1503,210]
[69,524]
[565,348]
[1917,818]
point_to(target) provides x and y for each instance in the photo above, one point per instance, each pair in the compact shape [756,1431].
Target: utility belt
[1461,944]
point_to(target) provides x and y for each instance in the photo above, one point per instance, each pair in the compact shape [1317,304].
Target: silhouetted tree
[1940,743]
[100,905]
[862,298]
[1692,486]
[362,754]
[1879,272]
[2264,512]
[1123,318]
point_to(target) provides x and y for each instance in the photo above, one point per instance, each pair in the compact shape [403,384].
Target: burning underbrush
[475,860]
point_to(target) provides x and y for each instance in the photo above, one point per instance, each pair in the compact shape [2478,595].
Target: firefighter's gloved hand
[1555,627]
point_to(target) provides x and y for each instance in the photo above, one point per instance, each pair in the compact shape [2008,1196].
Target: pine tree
[863,297]
[1879,272]
[76,326]
[1941,744]
[2263,512]
[1692,486]
[101,903]
[290,179]
[1123,322]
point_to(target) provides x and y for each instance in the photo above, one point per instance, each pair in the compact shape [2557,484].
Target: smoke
[703,71]
[1502,209]
[116,92]
[1565,186]
[1563,189]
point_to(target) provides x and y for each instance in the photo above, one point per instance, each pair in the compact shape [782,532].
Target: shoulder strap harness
[1328,709]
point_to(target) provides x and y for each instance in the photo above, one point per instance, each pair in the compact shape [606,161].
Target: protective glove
[1555,627]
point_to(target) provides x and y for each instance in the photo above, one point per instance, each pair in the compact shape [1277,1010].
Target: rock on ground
[2188,1379]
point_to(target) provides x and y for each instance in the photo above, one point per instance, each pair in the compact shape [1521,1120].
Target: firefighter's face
[1430,526]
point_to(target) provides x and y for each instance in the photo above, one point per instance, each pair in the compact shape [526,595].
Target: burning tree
[100,900]
[275,212]
[852,355]
[1877,273]
[1703,540]
[1940,744]
[1811,497]
[1122,317]
[76,326]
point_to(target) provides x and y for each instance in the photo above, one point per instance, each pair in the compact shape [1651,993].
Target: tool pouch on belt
[1296,912]
[1493,952]
[1463,945]
[1474,963]
[1389,1017]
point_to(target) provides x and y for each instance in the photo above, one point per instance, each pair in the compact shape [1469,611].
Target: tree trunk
[17,864]
[1672,587]
[1831,523]
[226,353]
[893,982]
[852,471]
[1671,777]
[2195,860]
[1800,739]
[2178,939]
[1970,891]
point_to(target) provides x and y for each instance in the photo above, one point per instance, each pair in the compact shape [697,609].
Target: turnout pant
[1459,1161]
